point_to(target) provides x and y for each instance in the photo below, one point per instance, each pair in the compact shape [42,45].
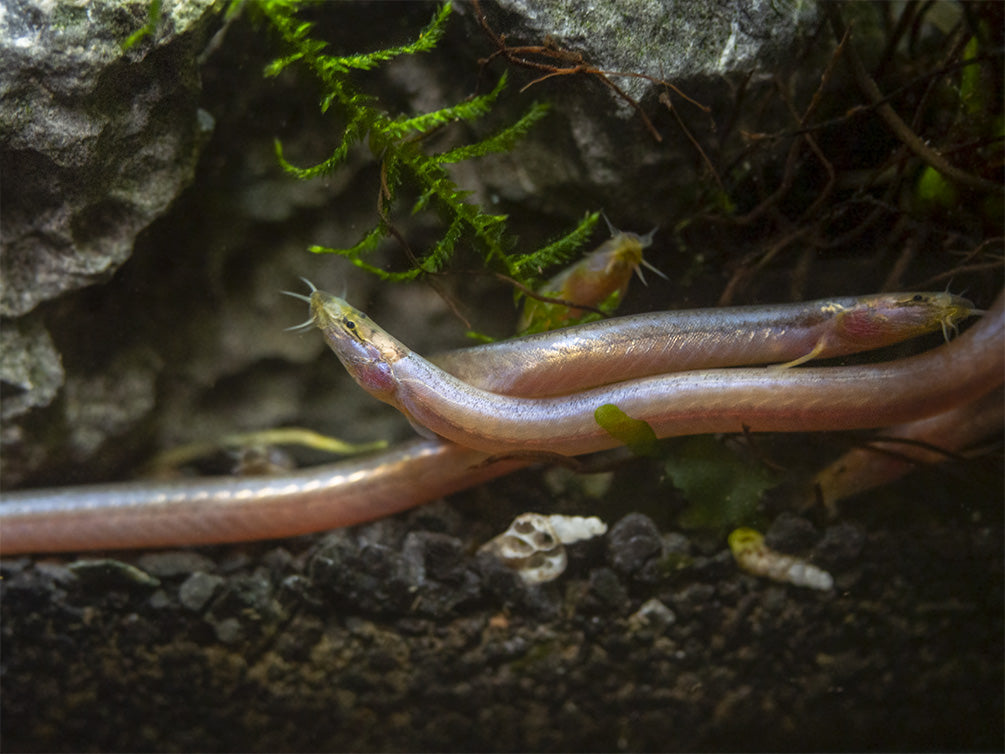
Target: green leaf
[934,190]
[723,489]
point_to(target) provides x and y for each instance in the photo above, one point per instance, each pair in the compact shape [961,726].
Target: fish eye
[918,298]
[349,323]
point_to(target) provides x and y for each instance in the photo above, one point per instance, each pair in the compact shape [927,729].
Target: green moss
[396,143]
[153,18]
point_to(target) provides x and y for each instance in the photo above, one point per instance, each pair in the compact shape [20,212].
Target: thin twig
[665,99]
[531,293]
[894,122]
[575,64]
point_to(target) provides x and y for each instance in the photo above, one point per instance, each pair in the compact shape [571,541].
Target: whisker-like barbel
[299,296]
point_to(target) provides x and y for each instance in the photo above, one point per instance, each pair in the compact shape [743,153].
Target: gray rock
[595,140]
[665,39]
[174,563]
[30,364]
[633,541]
[197,590]
[790,533]
[97,141]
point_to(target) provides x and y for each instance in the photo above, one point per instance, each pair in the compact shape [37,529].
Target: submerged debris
[755,557]
[534,545]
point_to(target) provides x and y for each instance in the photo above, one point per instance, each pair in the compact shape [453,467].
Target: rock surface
[665,40]
[98,141]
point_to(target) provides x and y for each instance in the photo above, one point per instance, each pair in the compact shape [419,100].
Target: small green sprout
[634,433]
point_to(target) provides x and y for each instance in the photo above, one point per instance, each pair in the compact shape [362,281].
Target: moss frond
[426,41]
[396,142]
[501,141]
[354,132]
[443,249]
[366,245]
[526,266]
[473,108]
